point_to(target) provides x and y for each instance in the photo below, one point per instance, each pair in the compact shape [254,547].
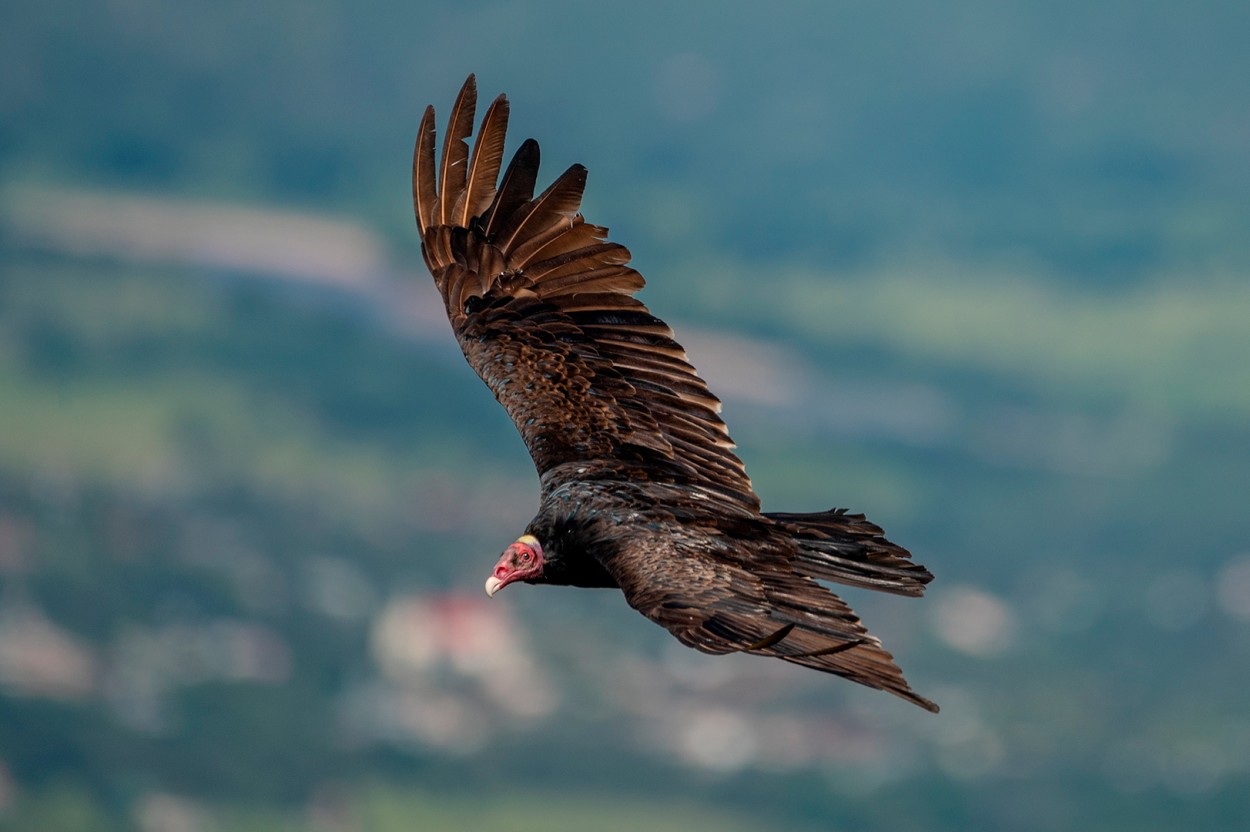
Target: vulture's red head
[522,561]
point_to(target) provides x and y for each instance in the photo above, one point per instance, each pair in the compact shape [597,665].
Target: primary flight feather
[640,487]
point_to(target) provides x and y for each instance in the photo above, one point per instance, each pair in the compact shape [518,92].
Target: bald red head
[521,561]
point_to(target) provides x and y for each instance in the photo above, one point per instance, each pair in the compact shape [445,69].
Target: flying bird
[640,486]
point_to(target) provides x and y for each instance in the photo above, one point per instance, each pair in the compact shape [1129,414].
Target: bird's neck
[574,545]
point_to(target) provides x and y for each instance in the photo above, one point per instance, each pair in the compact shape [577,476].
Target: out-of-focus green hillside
[1108,141]
[977,270]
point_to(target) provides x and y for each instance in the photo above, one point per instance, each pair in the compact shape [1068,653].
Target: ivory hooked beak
[492,585]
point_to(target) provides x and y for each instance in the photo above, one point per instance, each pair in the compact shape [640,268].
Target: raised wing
[723,602]
[542,305]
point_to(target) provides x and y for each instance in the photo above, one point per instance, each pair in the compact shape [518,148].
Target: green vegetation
[1135,347]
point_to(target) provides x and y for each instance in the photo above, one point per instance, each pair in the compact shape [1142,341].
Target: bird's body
[641,489]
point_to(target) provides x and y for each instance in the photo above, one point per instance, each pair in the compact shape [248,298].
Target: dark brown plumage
[641,489]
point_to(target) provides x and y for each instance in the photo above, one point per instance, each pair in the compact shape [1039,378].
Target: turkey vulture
[641,489]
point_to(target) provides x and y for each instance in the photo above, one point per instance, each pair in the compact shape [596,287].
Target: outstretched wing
[543,307]
[724,602]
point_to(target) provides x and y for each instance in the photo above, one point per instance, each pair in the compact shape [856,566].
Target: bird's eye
[525,556]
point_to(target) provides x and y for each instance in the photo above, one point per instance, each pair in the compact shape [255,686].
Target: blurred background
[978,269]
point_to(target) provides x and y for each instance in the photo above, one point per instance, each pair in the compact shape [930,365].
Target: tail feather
[846,548]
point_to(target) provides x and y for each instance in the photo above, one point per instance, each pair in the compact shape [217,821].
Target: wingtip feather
[483,171]
[515,188]
[453,170]
[424,189]
[550,213]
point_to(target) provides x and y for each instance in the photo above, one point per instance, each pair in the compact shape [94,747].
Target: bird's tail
[848,549]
